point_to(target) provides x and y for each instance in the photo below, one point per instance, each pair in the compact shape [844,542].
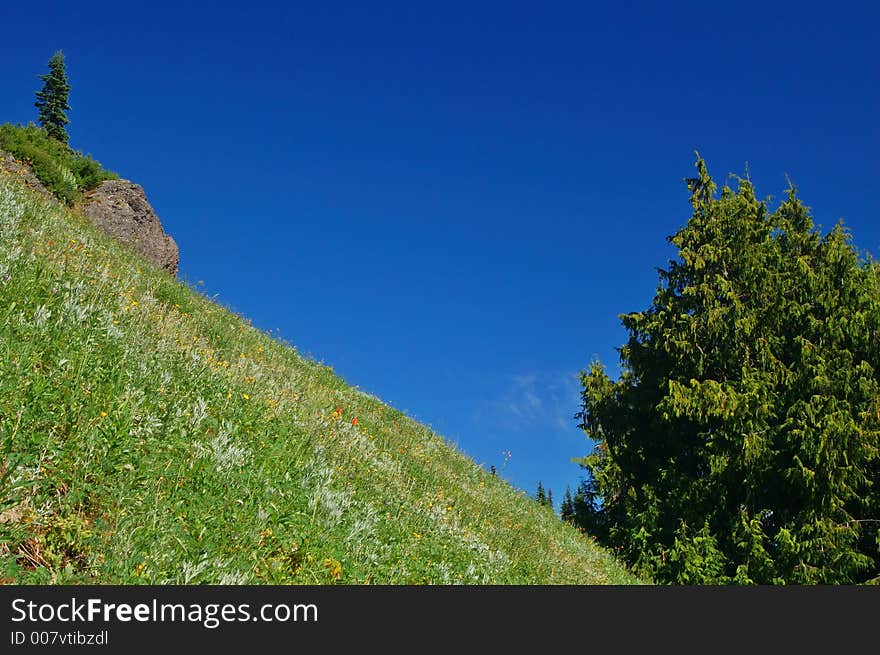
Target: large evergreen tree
[740,444]
[52,100]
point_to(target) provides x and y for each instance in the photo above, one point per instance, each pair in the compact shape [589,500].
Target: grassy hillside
[148,435]
[64,172]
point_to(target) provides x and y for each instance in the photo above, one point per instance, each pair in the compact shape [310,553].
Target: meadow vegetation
[66,173]
[149,435]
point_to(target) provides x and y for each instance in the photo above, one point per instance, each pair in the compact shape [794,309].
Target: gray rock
[9,165]
[120,208]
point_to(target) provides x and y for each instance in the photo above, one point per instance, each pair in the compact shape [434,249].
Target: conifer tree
[52,100]
[566,509]
[586,511]
[549,497]
[540,495]
[740,444]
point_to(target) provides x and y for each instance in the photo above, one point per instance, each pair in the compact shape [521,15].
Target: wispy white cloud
[534,401]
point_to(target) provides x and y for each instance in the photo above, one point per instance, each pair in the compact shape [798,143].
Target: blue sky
[451,203]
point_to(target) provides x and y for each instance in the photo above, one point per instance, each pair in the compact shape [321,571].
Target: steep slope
[148,435]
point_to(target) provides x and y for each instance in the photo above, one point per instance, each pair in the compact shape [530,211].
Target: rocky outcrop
[9,165]
[120,208]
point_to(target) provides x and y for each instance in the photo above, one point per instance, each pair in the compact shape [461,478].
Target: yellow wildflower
[334,567]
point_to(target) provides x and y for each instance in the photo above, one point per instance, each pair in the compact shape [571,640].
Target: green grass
[148,435]
[65,172]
